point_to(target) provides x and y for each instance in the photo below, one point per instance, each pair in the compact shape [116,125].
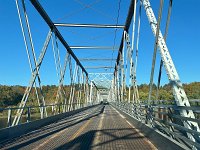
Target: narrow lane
[52,135]
[98,128]
[117,133]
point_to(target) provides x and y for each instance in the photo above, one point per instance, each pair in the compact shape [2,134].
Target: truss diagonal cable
[115,34]
[155,50]
[98,11]
[165,37]
[78,11]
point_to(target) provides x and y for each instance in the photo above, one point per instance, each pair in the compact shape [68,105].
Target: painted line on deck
[138,131]
[49,139]
[80,130]
[97,135]
[54,136]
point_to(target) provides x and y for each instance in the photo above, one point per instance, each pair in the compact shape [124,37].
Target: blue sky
[183,38]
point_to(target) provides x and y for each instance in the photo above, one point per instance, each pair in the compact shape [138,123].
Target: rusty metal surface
[98,128]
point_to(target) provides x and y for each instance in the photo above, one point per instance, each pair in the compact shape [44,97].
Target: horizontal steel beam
[47,19]
[96,59]
[94,47]
[98,73]
[99,67]
[89,25]
[91,73]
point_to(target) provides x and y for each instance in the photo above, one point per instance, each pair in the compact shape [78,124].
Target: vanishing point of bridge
[101,110]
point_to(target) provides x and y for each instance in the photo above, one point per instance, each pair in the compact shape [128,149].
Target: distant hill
[12,95]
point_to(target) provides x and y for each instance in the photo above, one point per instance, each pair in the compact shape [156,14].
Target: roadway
[101,127]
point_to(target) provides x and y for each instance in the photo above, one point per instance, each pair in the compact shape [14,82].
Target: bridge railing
[32,113]
[165,118]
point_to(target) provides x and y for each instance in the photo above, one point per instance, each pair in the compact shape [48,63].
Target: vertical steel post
[87,91]
[9,122]
[91,93]
[28,114]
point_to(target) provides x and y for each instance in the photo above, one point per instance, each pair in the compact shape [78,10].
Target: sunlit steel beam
[98,67]
[96,59]
[89,25]
[94,47]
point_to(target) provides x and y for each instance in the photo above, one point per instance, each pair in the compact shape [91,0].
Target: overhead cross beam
[89,25]
[47,19]
[96,59]
[98,67]
[94,47]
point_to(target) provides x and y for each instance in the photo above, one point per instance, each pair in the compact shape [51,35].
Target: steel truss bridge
[82,118]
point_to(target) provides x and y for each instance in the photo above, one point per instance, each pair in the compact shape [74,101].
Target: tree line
[12,95]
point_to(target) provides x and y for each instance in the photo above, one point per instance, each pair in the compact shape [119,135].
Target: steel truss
[118,89]
[101,80]
[178,91]
[93,87]
[61,94]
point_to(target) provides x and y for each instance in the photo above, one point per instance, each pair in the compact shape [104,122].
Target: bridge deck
[97,128]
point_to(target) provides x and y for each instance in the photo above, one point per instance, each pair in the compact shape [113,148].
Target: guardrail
[165,118]
[31,113]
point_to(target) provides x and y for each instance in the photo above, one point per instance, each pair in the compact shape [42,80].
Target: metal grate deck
[101,127]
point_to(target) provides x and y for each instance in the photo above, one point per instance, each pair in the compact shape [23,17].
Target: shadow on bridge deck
[101,127]
[86,141]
